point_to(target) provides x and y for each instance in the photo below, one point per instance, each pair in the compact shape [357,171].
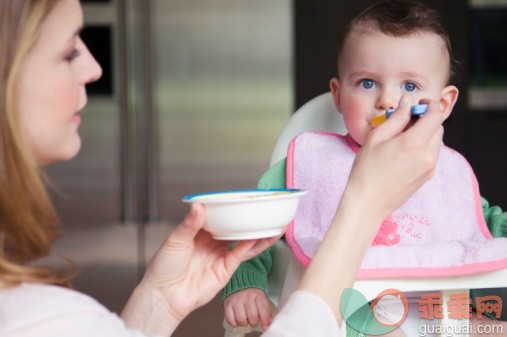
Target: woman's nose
[95,70]
[92,70]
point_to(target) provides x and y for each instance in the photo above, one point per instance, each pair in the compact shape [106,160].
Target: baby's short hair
[400,18]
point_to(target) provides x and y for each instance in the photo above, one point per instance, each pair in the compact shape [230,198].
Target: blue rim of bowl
[290,192]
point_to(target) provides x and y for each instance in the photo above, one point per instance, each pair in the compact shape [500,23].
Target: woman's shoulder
[31,297]
[37,309]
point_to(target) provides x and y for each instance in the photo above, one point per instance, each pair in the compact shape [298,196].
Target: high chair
[319,114]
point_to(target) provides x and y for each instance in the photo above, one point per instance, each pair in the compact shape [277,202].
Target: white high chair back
[319,114]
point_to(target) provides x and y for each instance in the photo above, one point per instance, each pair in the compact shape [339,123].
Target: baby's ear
[448,98]
[334,85]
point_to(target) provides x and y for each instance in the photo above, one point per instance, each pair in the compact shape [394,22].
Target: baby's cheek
[358,130]
[356,113]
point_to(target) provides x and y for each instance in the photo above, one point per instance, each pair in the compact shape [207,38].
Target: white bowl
[248,214]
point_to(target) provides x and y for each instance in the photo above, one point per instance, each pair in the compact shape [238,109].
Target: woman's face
[52,87]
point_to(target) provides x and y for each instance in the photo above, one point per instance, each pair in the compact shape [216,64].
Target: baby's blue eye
[367,84]
[410,86]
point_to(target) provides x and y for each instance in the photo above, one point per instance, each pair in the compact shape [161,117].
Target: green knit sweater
[254,273]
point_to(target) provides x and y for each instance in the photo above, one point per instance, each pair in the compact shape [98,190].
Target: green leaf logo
[384,314]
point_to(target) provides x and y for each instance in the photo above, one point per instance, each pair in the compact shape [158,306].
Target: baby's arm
[495,219]
[245,296]
[274,177]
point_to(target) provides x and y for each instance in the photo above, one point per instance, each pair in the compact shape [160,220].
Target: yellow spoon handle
[377,120]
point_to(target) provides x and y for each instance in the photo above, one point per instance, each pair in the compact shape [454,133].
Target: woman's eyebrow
[74,35]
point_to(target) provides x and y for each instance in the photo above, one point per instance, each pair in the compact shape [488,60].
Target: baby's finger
[230,317]
[252,313]
[265,313]
[240,315]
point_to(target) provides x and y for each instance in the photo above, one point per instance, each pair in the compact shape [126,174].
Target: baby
[389,51]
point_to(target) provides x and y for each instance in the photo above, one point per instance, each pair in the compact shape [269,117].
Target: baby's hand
[248,307]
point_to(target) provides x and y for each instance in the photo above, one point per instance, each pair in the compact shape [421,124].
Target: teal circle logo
[383,314]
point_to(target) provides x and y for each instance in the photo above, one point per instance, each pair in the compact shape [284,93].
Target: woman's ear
[334,85]
[448,98]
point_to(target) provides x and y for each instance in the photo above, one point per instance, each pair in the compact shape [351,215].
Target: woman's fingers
[191,224]
[397,121]
[427,124]
[428,127]
[394,161]
[425,136]
[246,249]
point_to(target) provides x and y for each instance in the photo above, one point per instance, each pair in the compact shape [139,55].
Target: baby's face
[376,69]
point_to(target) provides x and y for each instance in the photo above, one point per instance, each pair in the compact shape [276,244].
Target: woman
[44,67]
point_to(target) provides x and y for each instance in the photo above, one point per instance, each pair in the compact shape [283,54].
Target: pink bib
[439,231]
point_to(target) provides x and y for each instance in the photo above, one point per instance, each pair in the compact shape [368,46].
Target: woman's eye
[73,54]
[367,84]
[409,86]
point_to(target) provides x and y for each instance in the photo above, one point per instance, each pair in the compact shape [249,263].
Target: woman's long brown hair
[29,224]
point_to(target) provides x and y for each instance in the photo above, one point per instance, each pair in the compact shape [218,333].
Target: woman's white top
[44,310]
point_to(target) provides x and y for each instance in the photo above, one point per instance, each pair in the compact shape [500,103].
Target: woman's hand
[186,273]
[395,160]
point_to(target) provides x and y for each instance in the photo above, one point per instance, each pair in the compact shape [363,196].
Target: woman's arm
[191,267]
[185,273]
[392,164]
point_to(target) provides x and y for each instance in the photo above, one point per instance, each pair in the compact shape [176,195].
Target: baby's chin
[358,141]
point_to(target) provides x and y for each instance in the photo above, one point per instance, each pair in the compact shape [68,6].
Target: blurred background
[193,97]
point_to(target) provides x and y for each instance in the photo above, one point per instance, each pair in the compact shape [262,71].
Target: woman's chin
[70,152]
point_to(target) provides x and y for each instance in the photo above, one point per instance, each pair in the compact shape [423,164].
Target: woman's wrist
[357,205]
[148,311]
[352,220]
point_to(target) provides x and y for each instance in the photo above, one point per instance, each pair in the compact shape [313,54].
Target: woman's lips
[76,118]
